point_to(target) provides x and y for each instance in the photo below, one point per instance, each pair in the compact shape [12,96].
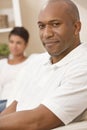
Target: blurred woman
[10,67]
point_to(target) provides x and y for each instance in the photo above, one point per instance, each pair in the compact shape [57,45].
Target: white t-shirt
[8,74]
[61,87]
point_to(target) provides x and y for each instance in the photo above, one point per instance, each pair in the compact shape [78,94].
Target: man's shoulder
[83,52]
[83,48]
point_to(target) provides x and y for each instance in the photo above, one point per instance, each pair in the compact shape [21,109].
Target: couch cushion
[74,126]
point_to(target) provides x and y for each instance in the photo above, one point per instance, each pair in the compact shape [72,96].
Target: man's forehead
[61,5]
[53,8]
[52,12]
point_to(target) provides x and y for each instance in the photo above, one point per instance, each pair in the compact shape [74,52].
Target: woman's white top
[8,74]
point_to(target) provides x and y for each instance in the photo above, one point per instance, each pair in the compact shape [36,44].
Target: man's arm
[40,118]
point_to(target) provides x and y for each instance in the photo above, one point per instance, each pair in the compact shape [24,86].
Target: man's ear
[77,26]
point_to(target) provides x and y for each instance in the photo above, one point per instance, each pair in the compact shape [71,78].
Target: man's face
[57,30]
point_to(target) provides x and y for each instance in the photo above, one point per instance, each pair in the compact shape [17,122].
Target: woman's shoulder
[3,61]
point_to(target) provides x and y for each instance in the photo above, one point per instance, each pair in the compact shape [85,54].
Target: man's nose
[48,32]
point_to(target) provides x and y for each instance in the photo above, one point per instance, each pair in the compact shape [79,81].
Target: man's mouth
[51,43]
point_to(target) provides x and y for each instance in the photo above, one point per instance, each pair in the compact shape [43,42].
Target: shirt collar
[67,59]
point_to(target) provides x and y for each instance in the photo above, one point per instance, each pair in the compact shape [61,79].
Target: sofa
[74,126]
[81,125]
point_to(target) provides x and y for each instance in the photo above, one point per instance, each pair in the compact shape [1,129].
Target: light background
[29,15]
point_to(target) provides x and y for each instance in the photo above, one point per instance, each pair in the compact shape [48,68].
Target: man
[55,92]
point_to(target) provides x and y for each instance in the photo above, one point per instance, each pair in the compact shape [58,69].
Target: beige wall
[82,6]
[29,13]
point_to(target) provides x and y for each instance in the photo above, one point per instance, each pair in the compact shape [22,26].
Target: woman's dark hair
[20,31]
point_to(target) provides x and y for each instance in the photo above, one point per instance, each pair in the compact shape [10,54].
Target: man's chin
[53,54]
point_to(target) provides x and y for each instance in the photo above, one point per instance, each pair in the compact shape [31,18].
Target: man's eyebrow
[56,19]
[39,22]
[51,21]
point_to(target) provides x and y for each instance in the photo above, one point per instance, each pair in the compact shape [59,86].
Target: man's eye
[56,24]
[41,26]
